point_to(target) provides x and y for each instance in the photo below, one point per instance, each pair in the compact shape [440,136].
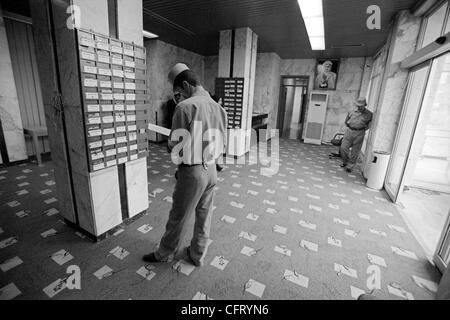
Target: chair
[337,141]
[35,132]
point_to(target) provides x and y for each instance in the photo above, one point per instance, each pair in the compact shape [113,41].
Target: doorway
[419,173]
[292,106]
[19,31]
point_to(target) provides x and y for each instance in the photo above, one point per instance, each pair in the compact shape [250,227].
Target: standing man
[194,119]
[357,122]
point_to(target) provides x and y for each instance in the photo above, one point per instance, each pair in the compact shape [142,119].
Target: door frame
[440,263]
[282,100]
[395,194]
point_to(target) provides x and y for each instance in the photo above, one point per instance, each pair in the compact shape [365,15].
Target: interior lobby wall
[267,86]
[161,57]
[402,44]
[210,73]
[267,82]
[352,82]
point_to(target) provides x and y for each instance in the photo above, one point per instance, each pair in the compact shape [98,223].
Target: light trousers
[193,194]
[351,146]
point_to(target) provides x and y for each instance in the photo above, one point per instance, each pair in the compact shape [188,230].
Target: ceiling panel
[21,7]
[195,25]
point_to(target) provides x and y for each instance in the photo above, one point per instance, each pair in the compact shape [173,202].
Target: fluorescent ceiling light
[315,27]
[317,43]
[311,8]
[149,35]
[312,12]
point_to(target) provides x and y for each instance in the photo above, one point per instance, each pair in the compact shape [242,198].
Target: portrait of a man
[326,74]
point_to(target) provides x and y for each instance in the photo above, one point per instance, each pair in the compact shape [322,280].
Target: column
[130,27]
[401,44]
[90,199]
[237,59]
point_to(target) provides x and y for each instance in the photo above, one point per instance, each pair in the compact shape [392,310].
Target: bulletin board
[115,99]
[231,90]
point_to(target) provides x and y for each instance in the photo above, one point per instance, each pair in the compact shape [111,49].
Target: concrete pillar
[402,44]
[365,81]
[45,56]
[10,117]
[237,59]
[91,200]
[225,54]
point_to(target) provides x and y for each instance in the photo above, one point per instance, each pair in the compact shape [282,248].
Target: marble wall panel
[47,71]
[130,21]
[211,72]
[93,14]
[267,86]
[251,98]
[224,68]
[390,105]
[65,41]
[9,103]
[161,57]
[367,73]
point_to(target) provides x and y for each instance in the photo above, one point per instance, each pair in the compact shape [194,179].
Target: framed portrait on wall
[327,71]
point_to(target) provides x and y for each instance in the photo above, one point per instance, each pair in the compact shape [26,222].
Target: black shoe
[343,165]
[188,250]
[219,168]
[348,170]
[151,258]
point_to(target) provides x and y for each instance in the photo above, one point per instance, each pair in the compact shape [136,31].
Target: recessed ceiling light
[149,35]
[312,12]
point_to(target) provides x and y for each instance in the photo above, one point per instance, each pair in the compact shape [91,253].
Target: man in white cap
[357,122]
[198,121]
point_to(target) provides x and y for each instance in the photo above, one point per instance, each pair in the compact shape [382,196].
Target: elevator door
[291,113]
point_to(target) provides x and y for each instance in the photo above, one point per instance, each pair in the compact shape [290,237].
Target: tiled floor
[312,231]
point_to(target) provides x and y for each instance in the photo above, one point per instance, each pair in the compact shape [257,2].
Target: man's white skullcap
[361,102]
[176,70]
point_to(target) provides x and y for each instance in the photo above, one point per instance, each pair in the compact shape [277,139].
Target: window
[434,24]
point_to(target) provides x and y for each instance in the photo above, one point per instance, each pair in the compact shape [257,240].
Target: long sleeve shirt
[357,120]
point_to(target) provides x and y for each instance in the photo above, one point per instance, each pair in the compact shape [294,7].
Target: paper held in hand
[159,129]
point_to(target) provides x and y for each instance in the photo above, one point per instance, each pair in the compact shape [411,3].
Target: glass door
[413,102]
[442,256]
[419,171]
[429,162]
